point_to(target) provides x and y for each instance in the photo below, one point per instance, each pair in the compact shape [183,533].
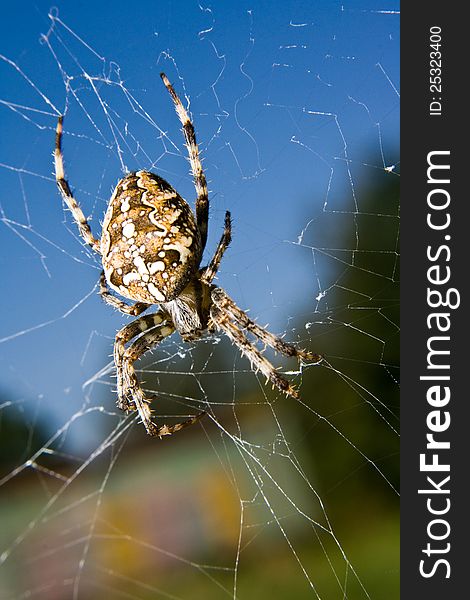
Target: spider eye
[150,242]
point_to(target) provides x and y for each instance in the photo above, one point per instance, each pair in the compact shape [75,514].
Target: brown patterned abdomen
[150,244]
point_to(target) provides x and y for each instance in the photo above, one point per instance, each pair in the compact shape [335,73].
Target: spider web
[296,112]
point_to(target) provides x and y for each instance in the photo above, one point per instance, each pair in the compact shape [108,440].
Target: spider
[151,248]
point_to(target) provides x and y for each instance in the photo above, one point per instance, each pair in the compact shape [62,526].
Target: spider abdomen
[150,243]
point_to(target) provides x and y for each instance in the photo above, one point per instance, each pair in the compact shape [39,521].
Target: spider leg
[66,193]
[154,328]
[222,321]
[133,329]
[228,306]
[134,309]
[202,200]
[212,268]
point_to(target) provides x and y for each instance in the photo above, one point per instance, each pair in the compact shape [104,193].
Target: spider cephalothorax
[151,249]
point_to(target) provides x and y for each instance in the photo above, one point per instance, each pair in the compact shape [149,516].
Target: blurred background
[296,109]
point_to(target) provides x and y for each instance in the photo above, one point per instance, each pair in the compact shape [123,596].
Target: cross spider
[151,248]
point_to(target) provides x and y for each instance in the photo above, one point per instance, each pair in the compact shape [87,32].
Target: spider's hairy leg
[222,321]
[202,200]
[213,266]
[134,309]
[153,329]
[66,193]
[143,344]
[133,329]
[228,306]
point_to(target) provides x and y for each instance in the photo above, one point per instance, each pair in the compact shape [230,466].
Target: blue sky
[295,105]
